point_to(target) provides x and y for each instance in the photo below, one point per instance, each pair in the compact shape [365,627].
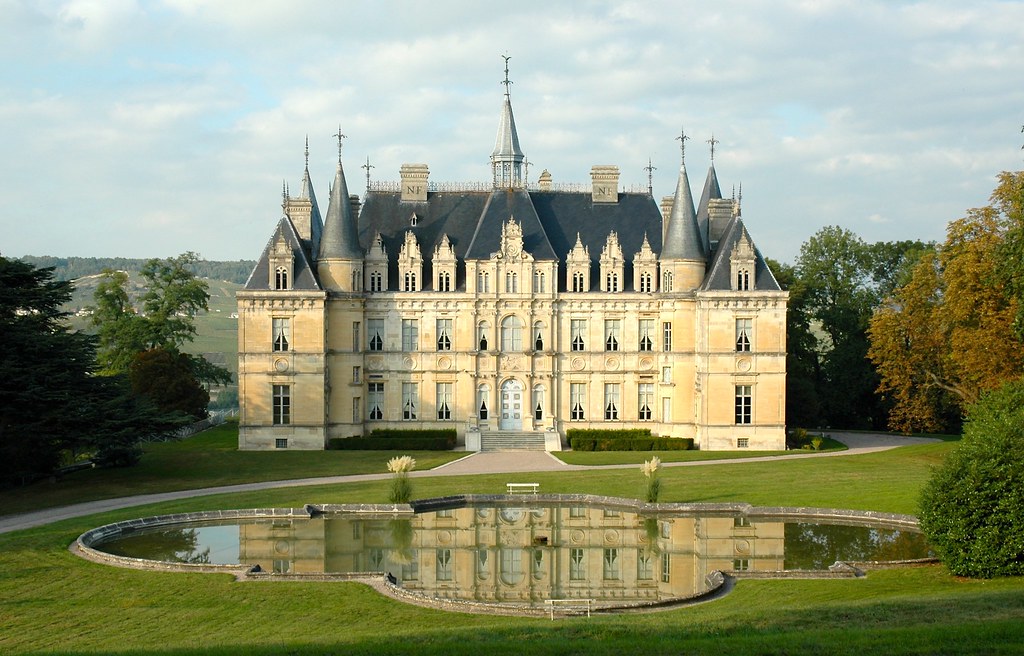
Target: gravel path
[492,462]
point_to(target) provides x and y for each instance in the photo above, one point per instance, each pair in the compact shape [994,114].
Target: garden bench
[530,488]
[569,606]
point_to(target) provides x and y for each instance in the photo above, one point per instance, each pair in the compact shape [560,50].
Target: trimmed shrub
[389,439]
[639,439]
[972,508]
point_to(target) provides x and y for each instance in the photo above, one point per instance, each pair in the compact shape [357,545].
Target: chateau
[512,312]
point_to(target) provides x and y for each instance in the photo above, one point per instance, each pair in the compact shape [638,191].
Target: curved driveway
[491,462]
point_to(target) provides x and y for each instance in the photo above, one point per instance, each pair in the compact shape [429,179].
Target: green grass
[208,459]
[52,602]
[594,458]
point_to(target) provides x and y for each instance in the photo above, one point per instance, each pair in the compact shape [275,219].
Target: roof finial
[368,166]
[307,152]
[506,81]
[713,141]
[526,168]
[650,168]
[340,136]
[284,197]
[682,144]
[739,202]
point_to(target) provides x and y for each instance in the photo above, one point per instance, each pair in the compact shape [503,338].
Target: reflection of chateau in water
[521,555]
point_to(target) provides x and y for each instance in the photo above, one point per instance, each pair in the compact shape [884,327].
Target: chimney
[605,183]
[720,212]
[353,200]
[545,180]
[414,182]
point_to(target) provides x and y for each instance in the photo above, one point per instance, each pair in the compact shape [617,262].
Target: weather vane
[713,141]
[368,166]
[682,144]
[340,136]
[650,168]
[506,81]
[307,152]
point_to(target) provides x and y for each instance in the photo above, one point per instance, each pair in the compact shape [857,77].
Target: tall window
[444,565]
[410,334]
[282,333]
[410,401]
[510,565]
[511,334]
[666,375]
[577,401]
[444,334]
[356,374]
[410,281]
[281,278]
[539,282]
[647,334]
[481,335]
[483,282]
[645,282]
[743,280]
[577,331]
[666,282]
[666,336]
[666,568]
[483,394]
[612,334]
[578,281]
[644,565]
[375,399]
[645,401]
[376,281]
[577,564]
[282,403]
[538,336]
[444,401]
[538,402]
[357,409]
[511,282]
[444,281]
[357,331]
[611,402]
[612,281]
[743,404]
[611,564]
[375,334]
[743,332]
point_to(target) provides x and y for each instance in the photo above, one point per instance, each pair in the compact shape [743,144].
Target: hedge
[396,439]
[638,439]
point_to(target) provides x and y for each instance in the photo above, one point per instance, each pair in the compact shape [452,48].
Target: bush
[397,440]
[638,439]
[972,508]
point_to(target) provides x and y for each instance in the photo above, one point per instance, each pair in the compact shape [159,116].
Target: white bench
[529,488]
[569,606]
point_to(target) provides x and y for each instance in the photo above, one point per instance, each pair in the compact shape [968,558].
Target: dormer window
[281,278]
[414,220]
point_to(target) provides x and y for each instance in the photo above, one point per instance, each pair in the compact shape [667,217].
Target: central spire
[507,158]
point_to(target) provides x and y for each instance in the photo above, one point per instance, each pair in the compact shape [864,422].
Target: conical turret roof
[340,238]
[683,240]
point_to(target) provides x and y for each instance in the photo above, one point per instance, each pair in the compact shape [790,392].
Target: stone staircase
[511,441]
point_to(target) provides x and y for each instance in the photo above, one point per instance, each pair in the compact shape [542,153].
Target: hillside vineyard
[512,312]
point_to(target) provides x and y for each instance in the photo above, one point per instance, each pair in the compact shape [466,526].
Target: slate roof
[683,238]
[711,190]
[303,275]
[719,275]
[340,239]
[316,222]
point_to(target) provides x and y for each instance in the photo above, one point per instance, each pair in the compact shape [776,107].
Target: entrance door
[511,406]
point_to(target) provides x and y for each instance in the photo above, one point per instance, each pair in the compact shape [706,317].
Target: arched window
[743,280]
[444,282]
[511,334]
[645,282]
[538,336]
[483,395]
[538,402]
[511,282]
[578,281]
[376,282]
[539,282]
[666,285]
[281,278]
[482,329]
[483,282]
[410,281]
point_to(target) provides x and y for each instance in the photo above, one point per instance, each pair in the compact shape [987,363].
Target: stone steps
[511,441]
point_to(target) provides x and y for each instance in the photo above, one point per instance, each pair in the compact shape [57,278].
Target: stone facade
[511,309]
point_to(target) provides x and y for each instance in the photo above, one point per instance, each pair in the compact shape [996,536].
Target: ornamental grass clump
[401,488]
[650,470]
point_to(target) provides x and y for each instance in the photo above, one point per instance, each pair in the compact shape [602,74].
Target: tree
[946,335]
[166,378]
[122,332]
[174,295]
[972,506]
[802,364]
[1008,202]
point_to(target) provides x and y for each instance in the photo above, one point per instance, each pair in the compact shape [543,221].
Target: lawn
[52,602]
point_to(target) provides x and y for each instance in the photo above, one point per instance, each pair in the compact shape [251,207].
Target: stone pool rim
[719,582]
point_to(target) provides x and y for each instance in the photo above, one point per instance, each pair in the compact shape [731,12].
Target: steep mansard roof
[316,222]
[711,190]
[303,275]
[719,274]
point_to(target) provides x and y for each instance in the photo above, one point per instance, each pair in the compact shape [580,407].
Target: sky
[147,129]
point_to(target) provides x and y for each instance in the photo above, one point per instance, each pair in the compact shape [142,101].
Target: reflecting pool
[500,553]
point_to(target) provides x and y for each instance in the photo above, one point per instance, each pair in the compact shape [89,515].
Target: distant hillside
[72,268]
